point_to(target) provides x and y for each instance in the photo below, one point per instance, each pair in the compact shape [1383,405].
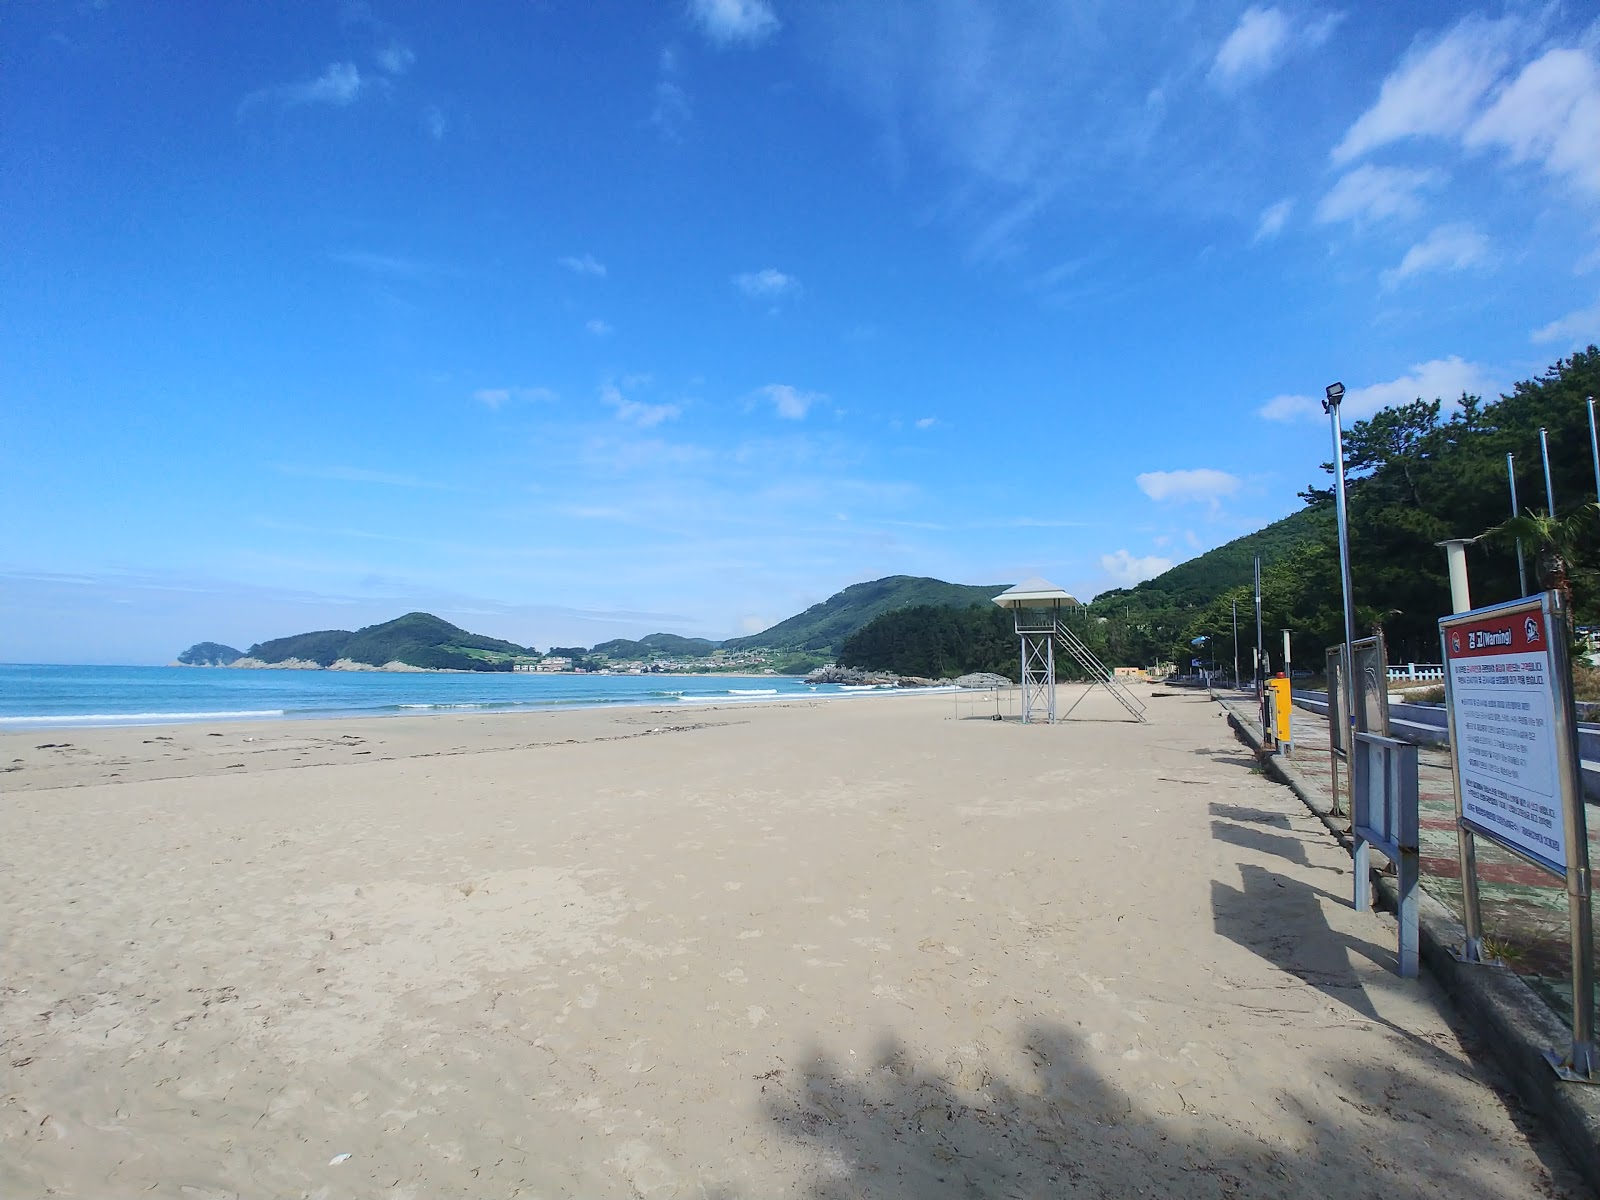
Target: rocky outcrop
[850,676]
[288,664]
[350,664]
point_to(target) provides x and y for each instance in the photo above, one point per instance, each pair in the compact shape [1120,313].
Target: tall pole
[1594,448]
[1549,492]
[1335,393]
[1261,668]
[1522,570]
[1236,642]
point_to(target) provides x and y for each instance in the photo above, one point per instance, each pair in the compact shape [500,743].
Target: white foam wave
[752,691]
[141,718]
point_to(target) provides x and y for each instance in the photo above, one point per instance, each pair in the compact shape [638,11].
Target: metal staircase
[1097,670]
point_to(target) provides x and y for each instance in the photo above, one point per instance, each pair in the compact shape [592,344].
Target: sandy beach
[829,949]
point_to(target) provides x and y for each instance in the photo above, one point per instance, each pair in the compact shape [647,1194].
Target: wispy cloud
[634,412]
[396,58]
[1438,379]
[1549,114]
[1436,87]
[1371,193]
[339,85]
[1273,219]
[499,397]
[926,422]
[789,403]
[769,283]
[434,123]
[1126,568]
[599,328]
[730,22]
[394,266]
[1263,39]
[1578,329]
[1447,248]
[669,110]
[1460,87]
[583,264]
[1193,485]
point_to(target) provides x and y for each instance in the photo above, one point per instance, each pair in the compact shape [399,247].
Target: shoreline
[255,709]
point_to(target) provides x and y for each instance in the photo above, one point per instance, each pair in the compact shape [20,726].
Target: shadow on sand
[902,1129]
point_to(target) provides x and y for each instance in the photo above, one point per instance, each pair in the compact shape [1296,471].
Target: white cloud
[585,264]
[767,284]
[1578,329]
[1254,47]
[1435,88]
[670,111]
[1550,113]
[1126,569]
[728,21]
[1261,40]
[789,403]
[1199,484]
[1375,193]
[926,422]
[1273,219]
[340,84]
[433,122]
[1438,379]
[396,58]
[499,397]
[599,328]
[1447,248]
[645,416]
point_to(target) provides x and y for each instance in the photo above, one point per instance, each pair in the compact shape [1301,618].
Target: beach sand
[843,948]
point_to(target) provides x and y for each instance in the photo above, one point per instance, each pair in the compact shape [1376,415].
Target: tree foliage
[1418,474]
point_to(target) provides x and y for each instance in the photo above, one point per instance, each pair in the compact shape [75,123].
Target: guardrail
[1419,671]
[1428,725]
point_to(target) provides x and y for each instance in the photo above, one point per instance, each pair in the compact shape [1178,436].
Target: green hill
[1200,580]
[209,654]
[416,639]
[656,645]
[824,627]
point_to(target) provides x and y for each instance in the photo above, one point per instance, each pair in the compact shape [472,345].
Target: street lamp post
[1335,394]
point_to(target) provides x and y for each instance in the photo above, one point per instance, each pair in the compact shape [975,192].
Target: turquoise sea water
[33,696]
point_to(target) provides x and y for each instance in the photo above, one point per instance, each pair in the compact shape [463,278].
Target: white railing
[1419,671]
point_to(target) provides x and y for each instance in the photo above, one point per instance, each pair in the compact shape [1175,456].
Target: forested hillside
[824,627]
[416,639]
[1418,474]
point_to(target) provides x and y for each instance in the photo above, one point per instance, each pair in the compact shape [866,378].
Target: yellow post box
[1281,707]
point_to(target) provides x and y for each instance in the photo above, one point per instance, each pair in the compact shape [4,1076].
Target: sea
[41,697]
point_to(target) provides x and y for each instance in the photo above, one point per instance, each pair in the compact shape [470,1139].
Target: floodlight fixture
[1335,392]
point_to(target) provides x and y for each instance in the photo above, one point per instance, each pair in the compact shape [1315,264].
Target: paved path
[1524,907]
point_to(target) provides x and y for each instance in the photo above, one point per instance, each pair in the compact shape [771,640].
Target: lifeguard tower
[1036,605]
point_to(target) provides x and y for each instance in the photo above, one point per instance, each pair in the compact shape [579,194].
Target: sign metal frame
[1541,617]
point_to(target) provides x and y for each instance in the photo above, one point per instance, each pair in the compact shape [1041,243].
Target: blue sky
[570,321]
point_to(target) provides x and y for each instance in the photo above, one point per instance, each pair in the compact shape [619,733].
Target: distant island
[421,641]
[210,654]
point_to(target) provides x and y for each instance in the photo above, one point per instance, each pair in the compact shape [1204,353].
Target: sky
[578,319]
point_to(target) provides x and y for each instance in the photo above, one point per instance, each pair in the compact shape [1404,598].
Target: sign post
[1513,754]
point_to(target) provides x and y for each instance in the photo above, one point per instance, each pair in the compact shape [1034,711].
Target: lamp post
[1511,474]
[1549,491]
[1236,642]
[1335,394]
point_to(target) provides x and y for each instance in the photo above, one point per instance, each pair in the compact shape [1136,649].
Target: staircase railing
[1098,671]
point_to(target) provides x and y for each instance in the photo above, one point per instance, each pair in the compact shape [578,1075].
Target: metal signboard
[1370,661]
[1507,730]
[1514,754]
[1385,815]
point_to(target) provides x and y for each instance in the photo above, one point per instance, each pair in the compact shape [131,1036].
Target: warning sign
[1505,705]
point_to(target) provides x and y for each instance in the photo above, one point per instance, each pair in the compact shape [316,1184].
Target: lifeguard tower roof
[1034,593]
